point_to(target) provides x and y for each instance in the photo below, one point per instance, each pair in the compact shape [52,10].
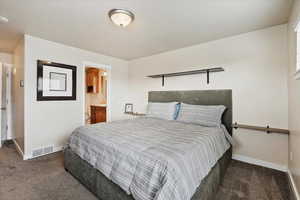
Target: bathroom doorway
[96,94]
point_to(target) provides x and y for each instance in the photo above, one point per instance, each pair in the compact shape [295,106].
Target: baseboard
[19,150]
[293,185]
[27,157]
[259,162]
[55,149]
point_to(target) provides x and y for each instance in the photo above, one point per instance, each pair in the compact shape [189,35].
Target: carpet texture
[45,179]
[244,181]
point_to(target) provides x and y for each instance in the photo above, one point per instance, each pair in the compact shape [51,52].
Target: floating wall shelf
[200,71]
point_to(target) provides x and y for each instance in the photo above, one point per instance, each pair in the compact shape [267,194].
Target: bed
[146,158]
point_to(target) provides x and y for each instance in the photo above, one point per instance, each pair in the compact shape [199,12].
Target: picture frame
[56,81]
[128,108]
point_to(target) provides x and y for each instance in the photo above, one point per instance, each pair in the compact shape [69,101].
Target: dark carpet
[45,179]
[244,181]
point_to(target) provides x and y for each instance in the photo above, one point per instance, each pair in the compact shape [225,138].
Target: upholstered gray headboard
[199,97]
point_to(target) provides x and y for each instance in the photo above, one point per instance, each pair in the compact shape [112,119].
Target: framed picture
[55,81]
[128,108]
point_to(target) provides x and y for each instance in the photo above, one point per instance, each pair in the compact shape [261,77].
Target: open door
[5,103]
[3,131]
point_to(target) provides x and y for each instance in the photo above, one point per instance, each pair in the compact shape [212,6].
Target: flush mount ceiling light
[121,17]
[3,20]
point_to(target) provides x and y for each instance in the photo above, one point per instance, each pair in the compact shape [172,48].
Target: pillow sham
[201,114]
[162,110]
[177,109]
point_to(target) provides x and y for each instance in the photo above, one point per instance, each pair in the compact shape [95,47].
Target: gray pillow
[161,110]
[201,114]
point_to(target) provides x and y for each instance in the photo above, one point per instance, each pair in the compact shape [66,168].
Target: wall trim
[27,157]
[254,161]
[293,185]
[19,150]
[55,149]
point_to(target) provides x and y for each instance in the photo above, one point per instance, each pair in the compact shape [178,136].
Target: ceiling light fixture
[121,17]
[3,20]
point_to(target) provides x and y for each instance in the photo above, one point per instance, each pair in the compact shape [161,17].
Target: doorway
[96,92]
[5,102]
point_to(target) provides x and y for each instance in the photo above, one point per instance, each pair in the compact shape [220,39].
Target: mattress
[151,158]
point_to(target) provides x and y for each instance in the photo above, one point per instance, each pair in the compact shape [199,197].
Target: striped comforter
[151,158]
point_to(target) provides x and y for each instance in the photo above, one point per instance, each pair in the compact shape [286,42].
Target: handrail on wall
[260,128]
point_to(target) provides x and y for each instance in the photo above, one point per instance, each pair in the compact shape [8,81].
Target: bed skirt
[105,189]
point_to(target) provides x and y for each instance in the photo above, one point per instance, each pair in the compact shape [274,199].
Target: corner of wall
[18,95]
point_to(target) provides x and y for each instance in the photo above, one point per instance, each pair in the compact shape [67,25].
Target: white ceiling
[160,25]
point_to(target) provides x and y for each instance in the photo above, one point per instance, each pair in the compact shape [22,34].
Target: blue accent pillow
[177,109]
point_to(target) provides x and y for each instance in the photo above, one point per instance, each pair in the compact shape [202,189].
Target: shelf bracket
[207,76]
[184,73]
[268,129]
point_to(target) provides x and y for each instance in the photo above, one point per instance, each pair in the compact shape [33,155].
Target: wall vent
[42,151]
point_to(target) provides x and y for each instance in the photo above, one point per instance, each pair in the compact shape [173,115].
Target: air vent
[48,150]
[37,152]
[42,151]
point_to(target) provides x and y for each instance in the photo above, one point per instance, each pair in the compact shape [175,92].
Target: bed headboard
[199,97]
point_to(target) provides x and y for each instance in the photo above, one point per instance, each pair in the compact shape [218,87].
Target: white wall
[18,95]
[294,97]
[51,122]
[255,69]
[6,58]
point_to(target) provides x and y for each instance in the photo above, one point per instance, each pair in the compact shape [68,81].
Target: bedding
[151,158]
[201,114]
[162,110]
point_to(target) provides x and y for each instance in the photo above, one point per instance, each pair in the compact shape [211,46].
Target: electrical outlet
[291,155]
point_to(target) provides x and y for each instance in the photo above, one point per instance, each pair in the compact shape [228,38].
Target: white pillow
[161,110]
[201,114]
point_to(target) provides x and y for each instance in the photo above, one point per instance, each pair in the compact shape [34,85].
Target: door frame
[107,68]
[1,71]
[9,71]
